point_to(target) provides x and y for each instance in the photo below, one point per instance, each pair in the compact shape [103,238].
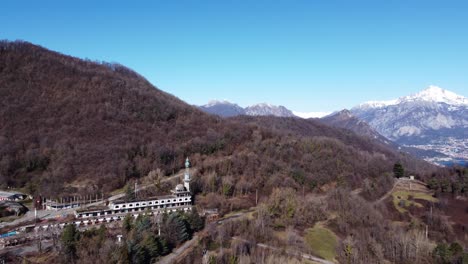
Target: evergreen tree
[127,223]
[442,254]
[176,229]
[69,239]
[398,170]
[195,221]
[165,247]
[129,193]
[142,223]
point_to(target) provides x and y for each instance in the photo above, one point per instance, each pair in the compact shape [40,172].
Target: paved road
[179,251]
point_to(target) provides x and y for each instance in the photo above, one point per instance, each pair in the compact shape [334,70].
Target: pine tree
[398,170]
[177,229]
[195,221]
[69,239]
[127,223]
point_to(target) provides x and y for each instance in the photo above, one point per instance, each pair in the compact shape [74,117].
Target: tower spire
[187,175]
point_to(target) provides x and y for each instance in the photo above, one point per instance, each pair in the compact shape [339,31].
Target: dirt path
[388,193]
[292,252]
[397,184]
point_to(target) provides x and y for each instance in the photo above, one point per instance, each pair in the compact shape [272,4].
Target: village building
[12,196]
[179,200]
[8,208]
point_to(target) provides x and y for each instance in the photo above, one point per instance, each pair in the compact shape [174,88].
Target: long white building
[181,199]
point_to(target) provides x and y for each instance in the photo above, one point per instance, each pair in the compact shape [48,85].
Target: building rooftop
[145,200]
[6,194]
[92,208]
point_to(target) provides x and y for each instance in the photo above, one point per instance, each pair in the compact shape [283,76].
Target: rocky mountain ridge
[227,109]
[433,119]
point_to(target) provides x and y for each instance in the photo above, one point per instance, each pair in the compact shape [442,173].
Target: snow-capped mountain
[433,119]
[431,94]
[267,110]
[223,108]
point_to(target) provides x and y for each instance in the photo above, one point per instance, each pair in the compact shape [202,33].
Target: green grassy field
[322,242]
[404,195]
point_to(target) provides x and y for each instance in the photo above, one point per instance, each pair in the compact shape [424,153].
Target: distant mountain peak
[346,119]
[218,102]
[433,119]
[226,109]
[223,108]
[431,94]
[264,109]
[345,112]
[265,105]
[436,94]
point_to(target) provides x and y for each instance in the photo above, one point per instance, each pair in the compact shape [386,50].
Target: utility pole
[431,212]
[136,190]
[40,242]
[256,197]
[158,221]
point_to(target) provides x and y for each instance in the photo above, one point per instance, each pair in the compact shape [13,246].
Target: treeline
[367,233]
[143,240]
[453,180]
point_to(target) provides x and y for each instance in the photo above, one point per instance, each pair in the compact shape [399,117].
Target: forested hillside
[83,125]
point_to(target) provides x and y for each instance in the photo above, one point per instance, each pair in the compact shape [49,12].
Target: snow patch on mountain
[307,115]
[431,94]
[438,95]
[218,102]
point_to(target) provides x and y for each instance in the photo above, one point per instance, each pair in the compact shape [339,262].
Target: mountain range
[345,119]
[227,109]
[71,126]
[433,119]
[431,123]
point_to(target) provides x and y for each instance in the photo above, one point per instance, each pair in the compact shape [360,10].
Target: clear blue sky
[307,55]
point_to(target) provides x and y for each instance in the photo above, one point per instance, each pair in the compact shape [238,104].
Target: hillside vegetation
[87,126]
[70,126]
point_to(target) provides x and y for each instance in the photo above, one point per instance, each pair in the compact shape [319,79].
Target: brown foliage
[93,126]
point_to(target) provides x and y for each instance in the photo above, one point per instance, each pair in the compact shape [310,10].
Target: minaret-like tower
[187,175]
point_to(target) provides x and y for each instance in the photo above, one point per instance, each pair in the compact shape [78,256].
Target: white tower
[187,175]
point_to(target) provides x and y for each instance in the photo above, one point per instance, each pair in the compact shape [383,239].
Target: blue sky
[306,55]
